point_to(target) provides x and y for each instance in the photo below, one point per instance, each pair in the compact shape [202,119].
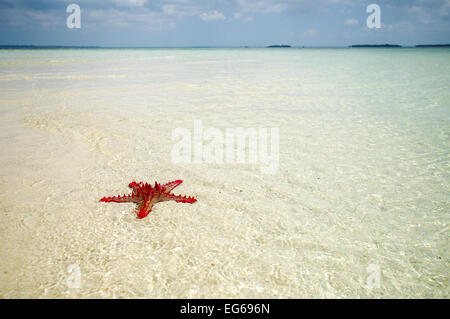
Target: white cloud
[130,3]
[267,6]
[351,21]
[212,16]
[180,9]
[445,8]
[310,32]
[277,8]
[23,17]
[144,18]
[169,9]
[421,13]
[243,17]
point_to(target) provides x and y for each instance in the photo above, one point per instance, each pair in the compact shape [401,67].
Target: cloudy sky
[168,23]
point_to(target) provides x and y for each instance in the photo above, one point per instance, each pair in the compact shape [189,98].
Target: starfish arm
[178,198]
[145,207]
[132,198]
[168,187]
[135,186]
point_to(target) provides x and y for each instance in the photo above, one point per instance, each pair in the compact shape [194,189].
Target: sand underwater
[357,208]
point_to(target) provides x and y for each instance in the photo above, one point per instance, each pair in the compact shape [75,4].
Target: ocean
[319,173]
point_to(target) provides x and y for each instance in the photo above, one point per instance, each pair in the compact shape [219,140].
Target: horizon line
[386,45]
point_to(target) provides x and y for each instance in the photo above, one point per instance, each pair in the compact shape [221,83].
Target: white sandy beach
[362,182]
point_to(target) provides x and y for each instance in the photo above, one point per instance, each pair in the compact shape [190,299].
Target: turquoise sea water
[362,183]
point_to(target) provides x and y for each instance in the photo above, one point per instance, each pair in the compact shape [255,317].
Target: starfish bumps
[145,196]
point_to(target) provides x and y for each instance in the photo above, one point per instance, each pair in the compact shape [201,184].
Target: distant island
[30,46]
[399,46]
[433,46]
[375,46]
[278,46]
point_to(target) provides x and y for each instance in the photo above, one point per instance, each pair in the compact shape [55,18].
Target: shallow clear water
[361,194]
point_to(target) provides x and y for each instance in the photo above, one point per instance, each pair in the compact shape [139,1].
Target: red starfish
[146,196]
